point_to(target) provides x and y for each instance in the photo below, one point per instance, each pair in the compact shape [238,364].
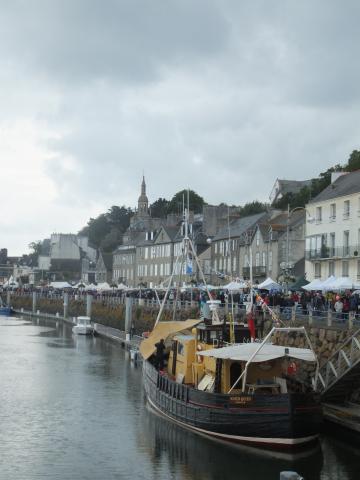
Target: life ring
[200,358]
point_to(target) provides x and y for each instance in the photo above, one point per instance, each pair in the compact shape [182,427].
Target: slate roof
[240,226]
[292,186]
[344,185]
[107,259]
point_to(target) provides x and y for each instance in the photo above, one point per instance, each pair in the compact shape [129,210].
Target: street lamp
[289,213]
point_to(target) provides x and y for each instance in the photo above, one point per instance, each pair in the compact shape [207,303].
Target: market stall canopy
[244,351]
[163,330]
[269,284]
[341,283]
[235,286]
[92,286]
[121,286]
[60,285]
[314,285]
[300,283]
[102,286]
[11,282]
[326,285]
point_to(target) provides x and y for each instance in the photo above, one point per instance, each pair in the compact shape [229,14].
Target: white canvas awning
[269,284]
[341,283]
[60,285]
[326,285]
[244,351]
[314,285]
[103,287]
[235,286]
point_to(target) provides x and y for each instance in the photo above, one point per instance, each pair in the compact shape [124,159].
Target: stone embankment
[143,317]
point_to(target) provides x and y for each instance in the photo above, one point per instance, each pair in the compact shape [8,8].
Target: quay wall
[110,315]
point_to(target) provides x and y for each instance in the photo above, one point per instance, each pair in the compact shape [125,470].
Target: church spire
[143,202]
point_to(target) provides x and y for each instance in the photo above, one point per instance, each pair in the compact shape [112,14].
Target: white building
[333,239]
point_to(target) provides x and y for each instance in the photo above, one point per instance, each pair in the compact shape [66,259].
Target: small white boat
[83,326]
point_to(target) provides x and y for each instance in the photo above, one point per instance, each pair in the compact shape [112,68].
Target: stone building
[103,269]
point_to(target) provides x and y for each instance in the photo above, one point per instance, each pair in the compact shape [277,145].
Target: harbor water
[73,407]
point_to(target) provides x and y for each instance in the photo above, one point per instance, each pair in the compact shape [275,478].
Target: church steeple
[143,202]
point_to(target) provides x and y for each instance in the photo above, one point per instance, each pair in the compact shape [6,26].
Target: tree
[159,208]
[252,208]
[36,250]
[196,202]
[106,230]
[353,162]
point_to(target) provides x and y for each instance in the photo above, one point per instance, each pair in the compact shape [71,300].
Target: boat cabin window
[180,349]
[235,372]
[208,336]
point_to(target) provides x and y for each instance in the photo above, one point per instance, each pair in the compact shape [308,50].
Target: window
[318,215]
[346,209]
[332,212]
[317,270]
[257,237]
[332,244]
[345,269]
[270,261]
[257,259]
[358,269]
[331,268]
[346,243]
[264,259]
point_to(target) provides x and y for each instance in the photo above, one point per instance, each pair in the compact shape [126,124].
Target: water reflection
[201,458]
[77,404]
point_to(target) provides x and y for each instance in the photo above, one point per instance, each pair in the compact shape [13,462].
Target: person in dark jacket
[159,356]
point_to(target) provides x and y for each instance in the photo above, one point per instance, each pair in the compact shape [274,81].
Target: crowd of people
[316,302]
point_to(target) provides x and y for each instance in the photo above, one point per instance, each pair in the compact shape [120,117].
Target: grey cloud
[125,41]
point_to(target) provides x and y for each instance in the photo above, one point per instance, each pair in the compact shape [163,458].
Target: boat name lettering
[241,400]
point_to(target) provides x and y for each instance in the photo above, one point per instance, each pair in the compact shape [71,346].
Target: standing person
[338,307]
[159,356]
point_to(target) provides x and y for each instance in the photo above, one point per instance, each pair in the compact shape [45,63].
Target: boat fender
[200,358]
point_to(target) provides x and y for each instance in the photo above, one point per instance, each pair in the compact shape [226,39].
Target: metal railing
[339,364]
[330,252]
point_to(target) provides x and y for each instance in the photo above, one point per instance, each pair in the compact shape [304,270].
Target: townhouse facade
[103,269]
[272,242]
[333,238]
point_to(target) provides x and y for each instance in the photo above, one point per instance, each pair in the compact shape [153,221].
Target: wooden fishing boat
[200,387]
[219,382]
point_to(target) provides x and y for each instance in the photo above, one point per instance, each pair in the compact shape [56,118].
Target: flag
[251,325]
[189,266]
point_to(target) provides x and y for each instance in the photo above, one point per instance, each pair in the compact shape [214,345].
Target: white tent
[11,282]
[341,283]
[326,285]
[90,287]
[80,285]
[122,286]
[235,286]
[269,284]
[60,285]
[103,286]
[314,285]
[244,351]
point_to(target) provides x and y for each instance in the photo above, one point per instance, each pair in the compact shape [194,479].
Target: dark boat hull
[273,421]
[6,311]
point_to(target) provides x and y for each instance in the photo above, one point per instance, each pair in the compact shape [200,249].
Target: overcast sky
[219,96]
